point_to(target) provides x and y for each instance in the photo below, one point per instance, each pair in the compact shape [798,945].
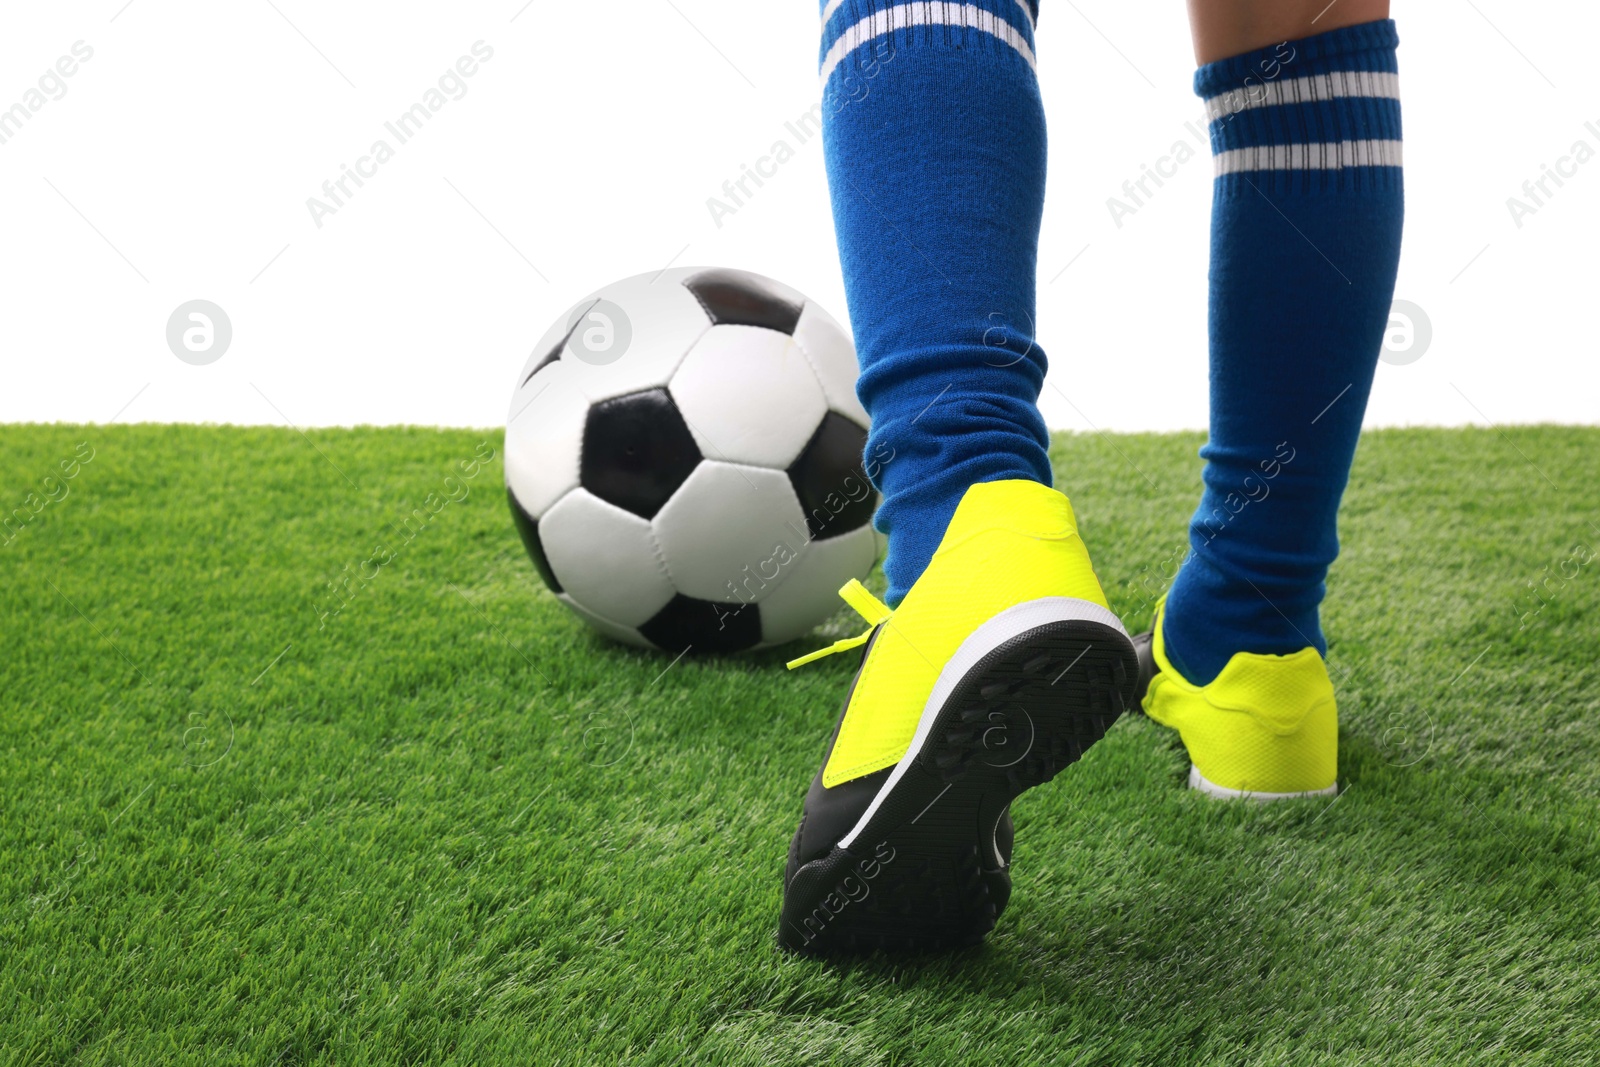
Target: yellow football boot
[1266,728]
[999,668]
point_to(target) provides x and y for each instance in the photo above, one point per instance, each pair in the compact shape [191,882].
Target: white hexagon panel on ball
[723,525]
[749,395]
[605,558]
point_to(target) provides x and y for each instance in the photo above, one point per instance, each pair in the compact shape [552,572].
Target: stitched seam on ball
[815,373]
[821,383]
[661,561]
[677,363]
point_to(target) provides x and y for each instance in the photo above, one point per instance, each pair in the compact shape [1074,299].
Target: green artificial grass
[448,824]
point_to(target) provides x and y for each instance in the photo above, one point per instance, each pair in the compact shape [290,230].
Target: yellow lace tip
[842,645]
[865,604]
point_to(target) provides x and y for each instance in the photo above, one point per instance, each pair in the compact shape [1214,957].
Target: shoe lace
[869,607]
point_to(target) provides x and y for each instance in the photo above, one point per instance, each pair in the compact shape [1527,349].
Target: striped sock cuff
[1322,112]
[864,33]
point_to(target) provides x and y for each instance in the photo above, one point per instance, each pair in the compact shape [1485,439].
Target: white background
[178,164]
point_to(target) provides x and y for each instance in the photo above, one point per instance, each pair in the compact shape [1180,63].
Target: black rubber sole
[923,873]
[1144,648]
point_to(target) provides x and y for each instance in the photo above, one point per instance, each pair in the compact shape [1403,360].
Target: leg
[1000,662]
[1223,28]
[1305,243]
[935,142]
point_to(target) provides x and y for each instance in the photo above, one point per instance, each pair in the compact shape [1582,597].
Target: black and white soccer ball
[684,461]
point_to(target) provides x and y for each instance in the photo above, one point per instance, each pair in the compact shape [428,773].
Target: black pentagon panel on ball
[739,298]
[528,527]
[703,626]
[829,480]
[637,450]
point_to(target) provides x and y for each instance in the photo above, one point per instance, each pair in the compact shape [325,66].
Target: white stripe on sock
[928,13]
[1027,14]
[1330,156]
[1313,88]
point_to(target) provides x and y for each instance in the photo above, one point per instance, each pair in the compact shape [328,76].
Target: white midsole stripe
[1329,156]
[930,13]
[1313,88]
[1201,783]
[1015,620]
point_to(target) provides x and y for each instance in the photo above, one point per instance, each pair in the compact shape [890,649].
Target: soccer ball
[684,461]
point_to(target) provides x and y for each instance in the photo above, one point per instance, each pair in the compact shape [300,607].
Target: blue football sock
[935,145]
[1305,242]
